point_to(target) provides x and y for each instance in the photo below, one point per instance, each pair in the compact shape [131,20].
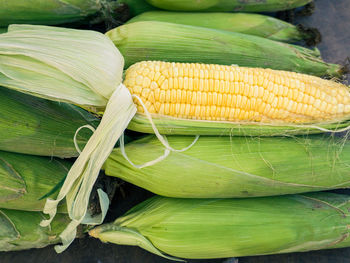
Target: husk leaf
[228,5]
[216,167]
[219,228]
[150,40]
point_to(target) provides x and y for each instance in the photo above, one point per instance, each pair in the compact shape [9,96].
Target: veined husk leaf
[216,167]
[219,228]
[24,179]
[150,40]
[246,23]
[20,230]
[50,12]
[36,126]
[228,5]
[67,73]
[175,126]
[83,68]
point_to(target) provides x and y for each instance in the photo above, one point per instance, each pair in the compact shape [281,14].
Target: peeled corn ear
[220,228]
[215,96]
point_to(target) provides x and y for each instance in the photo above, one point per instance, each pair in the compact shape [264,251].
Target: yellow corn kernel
[231,93]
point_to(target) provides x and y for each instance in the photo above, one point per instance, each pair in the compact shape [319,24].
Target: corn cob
[228,5]
[36,126]
[20,230]
[251,24]
[218,228]
[222,94]
[222,167]
[150,40]
[26,178]
[50,12]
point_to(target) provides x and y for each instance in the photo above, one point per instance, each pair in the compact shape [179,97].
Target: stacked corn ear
[219,228]
[251,24]
[47,62]
[21,230]
[37,126]
[50,12]
[25,179]
[228,5]
[208,99]
[222,167]
[150,40]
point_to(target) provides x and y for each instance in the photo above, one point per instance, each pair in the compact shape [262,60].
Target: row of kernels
[226,113]
[236,87]
[228,100]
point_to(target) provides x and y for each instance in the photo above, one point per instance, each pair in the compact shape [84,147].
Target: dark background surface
[332,18]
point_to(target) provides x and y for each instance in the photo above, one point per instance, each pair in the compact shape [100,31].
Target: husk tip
[307,10]
[345,67]
[311,35]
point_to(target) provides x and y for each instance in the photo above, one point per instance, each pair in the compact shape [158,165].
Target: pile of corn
[241,128]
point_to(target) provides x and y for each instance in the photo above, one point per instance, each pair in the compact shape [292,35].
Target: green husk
[67,65]
[37,126]
[228,5]
[24,179]
[174,126]
[219,228]
[223,167]
[50,12]
[150,40]
[251,24]
[20,230]
[136,7]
